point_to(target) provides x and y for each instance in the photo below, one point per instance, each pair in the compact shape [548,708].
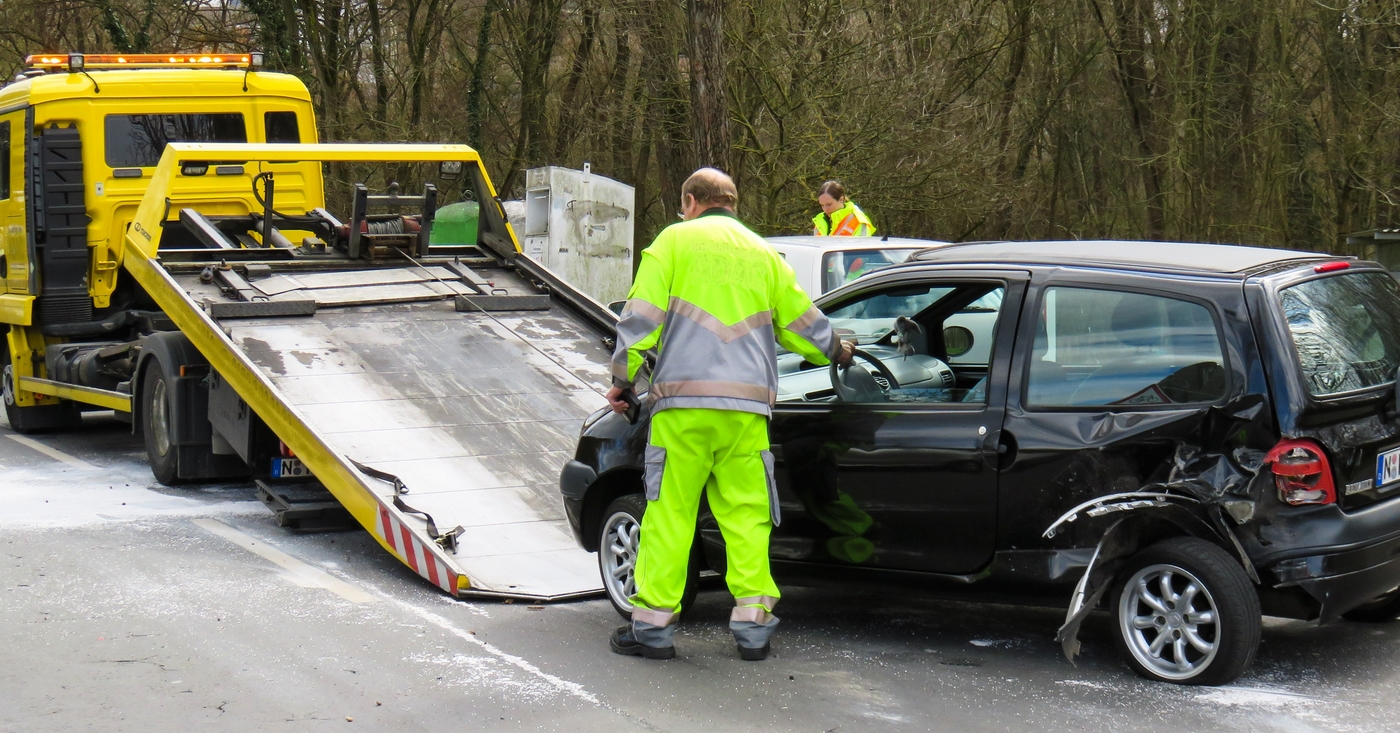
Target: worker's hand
[848,350]
[615,400]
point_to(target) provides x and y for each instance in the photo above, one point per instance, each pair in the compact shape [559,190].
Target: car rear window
[841,267]
[137,141]
[1346,329]
[1107,347]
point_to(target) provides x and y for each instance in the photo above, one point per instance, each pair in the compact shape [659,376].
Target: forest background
[1271,122]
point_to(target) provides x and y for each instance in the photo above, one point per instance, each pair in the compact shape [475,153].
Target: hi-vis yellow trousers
[725,454]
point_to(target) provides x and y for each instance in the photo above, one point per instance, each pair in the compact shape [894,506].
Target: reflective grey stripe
[707,388]
[697,362]
[639,320]
[654,466]
[768,602]
[713,403]
[813,326]
[750,614]
[661,617]
[775,511]
[715,325]
[644,308]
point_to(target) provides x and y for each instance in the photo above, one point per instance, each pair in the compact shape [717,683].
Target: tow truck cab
[81,136]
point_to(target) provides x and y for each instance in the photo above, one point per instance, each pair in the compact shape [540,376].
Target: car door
[902,476]
[1114,373]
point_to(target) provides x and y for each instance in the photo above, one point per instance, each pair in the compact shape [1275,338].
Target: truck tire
[617,555]
[38,418]
[1382,609]
[1185,612]
[155,424]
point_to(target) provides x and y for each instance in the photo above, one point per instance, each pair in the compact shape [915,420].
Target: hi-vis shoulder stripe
[413,552]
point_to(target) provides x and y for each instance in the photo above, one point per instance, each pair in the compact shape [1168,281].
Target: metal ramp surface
[475,414]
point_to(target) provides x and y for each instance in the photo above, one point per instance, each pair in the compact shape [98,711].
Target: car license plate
[1388,467]
[288,468]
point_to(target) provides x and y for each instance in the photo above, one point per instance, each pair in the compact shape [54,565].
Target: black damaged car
[1184,435]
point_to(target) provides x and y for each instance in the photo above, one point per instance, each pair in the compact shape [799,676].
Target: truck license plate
[293,467]
[1387,467]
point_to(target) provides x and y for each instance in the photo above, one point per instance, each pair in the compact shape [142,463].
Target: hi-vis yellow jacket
[848,221]
[713,296]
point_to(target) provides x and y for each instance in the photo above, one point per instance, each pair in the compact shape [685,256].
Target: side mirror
[450,170]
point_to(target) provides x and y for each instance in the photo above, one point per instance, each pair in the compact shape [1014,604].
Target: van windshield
[137,141]
[1346,329]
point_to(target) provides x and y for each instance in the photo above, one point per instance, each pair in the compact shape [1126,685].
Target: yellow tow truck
[170,256]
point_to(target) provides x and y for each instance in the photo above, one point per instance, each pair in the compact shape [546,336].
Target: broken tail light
[1301,473]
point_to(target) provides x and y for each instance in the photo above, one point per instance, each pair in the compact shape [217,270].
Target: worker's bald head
[711,187]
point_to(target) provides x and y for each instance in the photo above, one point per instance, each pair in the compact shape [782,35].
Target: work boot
[752,626]
[749,654]
[624,641]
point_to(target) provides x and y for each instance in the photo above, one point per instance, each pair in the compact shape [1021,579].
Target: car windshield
[1346,329]
[843,266]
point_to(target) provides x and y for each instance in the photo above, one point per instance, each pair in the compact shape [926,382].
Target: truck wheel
[1186,613]
[37,418]
[617,555]
[155,423]
[1379,610]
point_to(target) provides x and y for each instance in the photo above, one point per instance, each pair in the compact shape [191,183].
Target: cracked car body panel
[1194,467]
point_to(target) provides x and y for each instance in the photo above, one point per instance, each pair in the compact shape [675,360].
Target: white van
[826,263]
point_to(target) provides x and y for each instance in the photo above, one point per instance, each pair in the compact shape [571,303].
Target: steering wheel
[858,385]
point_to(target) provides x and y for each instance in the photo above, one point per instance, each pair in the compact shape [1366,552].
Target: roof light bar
[80,61]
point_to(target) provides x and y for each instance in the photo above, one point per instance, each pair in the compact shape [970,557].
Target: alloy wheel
[619,557]
[1170,621]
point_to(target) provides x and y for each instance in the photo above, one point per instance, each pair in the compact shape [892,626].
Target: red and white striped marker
[406,545]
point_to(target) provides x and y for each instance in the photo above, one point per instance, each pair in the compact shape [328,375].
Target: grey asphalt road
[128,606]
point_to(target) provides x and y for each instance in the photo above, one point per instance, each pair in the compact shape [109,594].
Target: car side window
[925,343]
[1099,348]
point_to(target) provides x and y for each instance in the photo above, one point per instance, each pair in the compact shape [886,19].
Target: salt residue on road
[58,495]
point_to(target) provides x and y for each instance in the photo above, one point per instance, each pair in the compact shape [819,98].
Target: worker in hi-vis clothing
[839,217]
[711,297]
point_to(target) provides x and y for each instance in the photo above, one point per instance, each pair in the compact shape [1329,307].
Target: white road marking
[53,453]
[298,572]
[563,685]
[315,577]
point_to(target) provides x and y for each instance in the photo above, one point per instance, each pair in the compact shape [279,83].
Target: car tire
[38,418]
[156,401]
[1382,609]
[618,536]
[1205,636]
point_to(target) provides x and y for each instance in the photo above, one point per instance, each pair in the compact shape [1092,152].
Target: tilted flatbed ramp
[402,395]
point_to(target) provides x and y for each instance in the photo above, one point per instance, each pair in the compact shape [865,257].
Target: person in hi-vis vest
[714,299]
[839,217]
